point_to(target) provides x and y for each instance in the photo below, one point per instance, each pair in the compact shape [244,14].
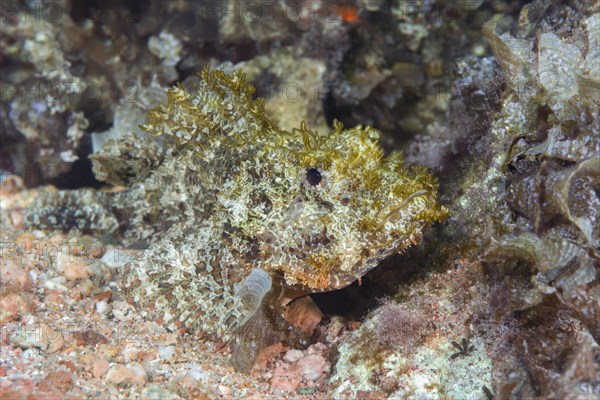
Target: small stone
[73,268]
[169,339]
[27,241]
[312,367]
[117,374]
[268,354]
[16,217]
[100,367]
[86,287]
[316,348]
[112,352]
[223,390]
[11,184]
[69,365]
[130,352]
[89,338]
[140,374]
[56,345]
[334,330]
[56,382]
[166,352]
[86,359]
[105,295]
[285,379]
[113,258]
[43,395]
[13,305]
[86,246]
[293,355]
[42,336]
[12,273]
[102,307]
[154,391]
[133,374]
[54,299]
[197,372]
[304,314]
[123,311]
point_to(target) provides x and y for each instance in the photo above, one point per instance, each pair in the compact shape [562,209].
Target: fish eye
[313,176]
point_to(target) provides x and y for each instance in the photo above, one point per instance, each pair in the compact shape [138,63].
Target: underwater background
[499,100]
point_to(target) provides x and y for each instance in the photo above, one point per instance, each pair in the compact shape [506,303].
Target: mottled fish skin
[185,271]
[244,206]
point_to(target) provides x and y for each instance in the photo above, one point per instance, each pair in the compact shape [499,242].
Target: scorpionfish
[239,215]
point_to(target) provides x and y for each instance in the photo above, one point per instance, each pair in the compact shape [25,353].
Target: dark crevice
[355,301]
[79,176]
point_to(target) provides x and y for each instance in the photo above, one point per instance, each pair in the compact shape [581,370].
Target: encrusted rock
[131,374]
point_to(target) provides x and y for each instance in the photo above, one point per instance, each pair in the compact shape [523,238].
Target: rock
[146,358]
[223,390]
[166,353]
[86,246]
[154,391]
[133,373]
[169,339]
[42,336]
[73,268]
[11,184]
[86,359]
[89,338]
[197,372]
[12,273]
[16,217]
[69,365]
[114,353]
[56,382]
[13,305]
[57,343]
[334,329]
[140,376]
[8,392]
[304,314]
[130,352]
[317,348]
[312,367]
[86,287]
[267,354]
[123,311]
[105,295]
[100,367]
[285,379]
[27,241]
[54,299]
[293,355]
[102,307]
[43,395]
[117,374]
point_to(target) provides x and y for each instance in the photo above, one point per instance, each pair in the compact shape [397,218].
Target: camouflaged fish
[247,215]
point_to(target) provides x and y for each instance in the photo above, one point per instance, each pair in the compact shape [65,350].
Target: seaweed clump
[531,199]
